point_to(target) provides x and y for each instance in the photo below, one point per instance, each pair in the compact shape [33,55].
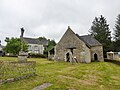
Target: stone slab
[43,86]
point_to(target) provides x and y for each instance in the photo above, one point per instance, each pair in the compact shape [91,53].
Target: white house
[1,50]
[1,47]
[36,46]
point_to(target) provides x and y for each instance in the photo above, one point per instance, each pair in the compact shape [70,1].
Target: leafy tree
[51,44]
[14,45]
[117,34]
[42,38]
[100,30]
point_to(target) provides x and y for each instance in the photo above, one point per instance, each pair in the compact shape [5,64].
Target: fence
[11,70]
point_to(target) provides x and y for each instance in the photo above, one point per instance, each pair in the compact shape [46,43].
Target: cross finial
[68,27]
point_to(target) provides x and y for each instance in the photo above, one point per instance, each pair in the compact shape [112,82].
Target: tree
[117,34]
[42,38]
[51,44]
[100,31]
[14,45]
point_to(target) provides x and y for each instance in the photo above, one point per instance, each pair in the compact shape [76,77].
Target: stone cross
[22,32]
[22,57]
[21,37]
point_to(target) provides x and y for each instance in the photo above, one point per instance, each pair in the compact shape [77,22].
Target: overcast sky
[50,18]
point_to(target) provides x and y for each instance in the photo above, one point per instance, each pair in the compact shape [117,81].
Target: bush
[37,56]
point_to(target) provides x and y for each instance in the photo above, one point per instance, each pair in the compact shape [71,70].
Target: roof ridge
[30,38]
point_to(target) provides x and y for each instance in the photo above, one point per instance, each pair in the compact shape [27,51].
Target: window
[30,48]
[36,48]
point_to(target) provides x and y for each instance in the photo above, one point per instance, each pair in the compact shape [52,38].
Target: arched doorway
[95,57]
[68,57]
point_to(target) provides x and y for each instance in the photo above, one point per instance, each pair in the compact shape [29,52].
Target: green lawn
[64,76]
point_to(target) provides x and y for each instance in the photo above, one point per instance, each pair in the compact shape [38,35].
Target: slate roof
[31,40]
[43,42]
[89,40]
[1,46]
[35,41]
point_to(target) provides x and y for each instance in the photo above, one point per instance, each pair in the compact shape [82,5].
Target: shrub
[37,56]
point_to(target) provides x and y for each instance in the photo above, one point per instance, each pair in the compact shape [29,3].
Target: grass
[64,76]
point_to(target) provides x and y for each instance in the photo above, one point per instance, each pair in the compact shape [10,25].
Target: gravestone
[22,57]
[43,86]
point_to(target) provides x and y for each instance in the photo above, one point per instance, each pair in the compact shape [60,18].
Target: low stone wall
[12,71]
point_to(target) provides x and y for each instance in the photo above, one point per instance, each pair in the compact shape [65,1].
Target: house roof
[35,41]
[1,47]
[43,42]
[31,40]
[89,40]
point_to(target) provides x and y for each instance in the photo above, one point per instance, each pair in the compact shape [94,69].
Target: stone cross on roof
[69,27]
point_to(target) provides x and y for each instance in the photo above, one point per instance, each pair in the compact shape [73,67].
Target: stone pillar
[22,57]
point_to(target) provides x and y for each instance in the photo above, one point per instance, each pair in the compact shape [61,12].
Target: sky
[51,18]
